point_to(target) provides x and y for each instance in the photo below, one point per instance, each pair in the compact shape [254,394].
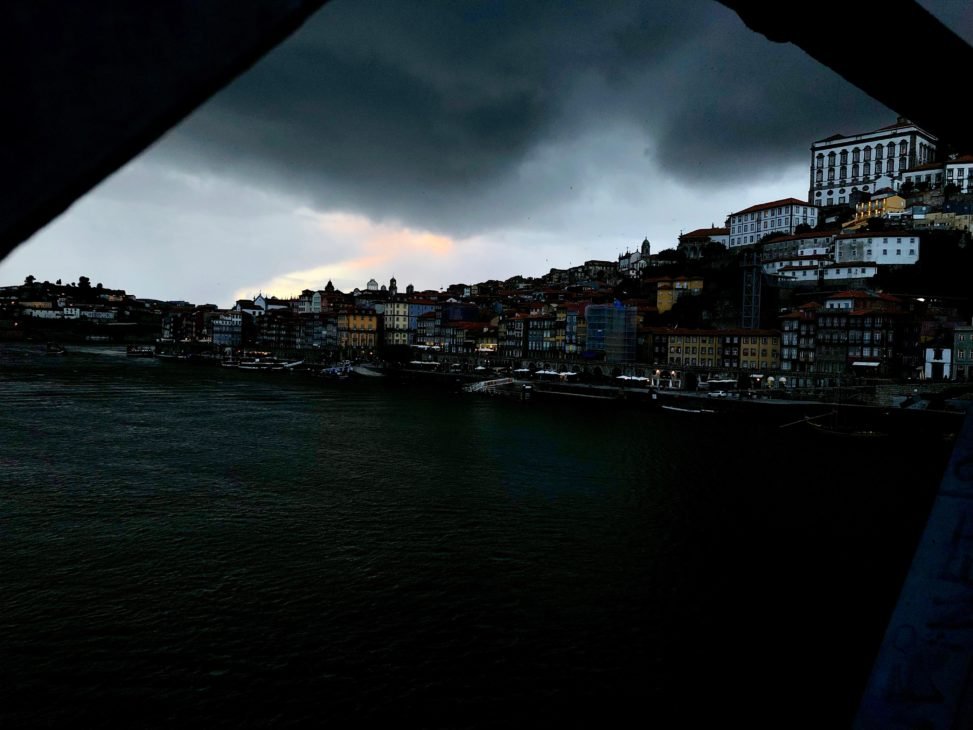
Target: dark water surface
[192,546]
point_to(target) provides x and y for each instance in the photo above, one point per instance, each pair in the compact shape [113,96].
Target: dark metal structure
[752,280]
[915,79]
[88,85]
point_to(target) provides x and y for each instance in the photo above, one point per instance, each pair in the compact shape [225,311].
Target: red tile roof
[774,204]
[897,125]
[877,234]
[927,166]
[702,232]
[807,234]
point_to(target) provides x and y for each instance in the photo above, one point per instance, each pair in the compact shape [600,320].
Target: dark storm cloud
[427,111]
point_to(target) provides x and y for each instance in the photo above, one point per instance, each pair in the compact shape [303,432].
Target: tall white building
[842,165]
[749,225]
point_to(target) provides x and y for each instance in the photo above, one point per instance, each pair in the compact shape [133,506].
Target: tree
[949,191]
[29,280]
[84,282]
[802,228]
[907,188]
[713,249]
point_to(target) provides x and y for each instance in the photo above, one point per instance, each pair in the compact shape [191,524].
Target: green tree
[713,249]
[29,280]
[84,282]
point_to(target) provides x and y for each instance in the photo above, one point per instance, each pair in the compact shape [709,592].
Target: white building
[849,270]
[885,248]
[931,174]
[797,245]
[842,165]
[749,225]
[959,170]
[633,263]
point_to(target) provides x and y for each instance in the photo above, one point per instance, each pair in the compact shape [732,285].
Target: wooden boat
[833,427]
[677,409]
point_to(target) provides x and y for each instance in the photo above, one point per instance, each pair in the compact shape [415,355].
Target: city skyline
[470,146]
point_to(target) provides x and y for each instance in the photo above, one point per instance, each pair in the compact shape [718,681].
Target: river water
[185,545]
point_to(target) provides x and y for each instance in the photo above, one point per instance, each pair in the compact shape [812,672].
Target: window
[844,157]
[898,252]
[885,252]
[831,159]
[819,161]
[855,155]
[878,166]
[879,152]
[868,153]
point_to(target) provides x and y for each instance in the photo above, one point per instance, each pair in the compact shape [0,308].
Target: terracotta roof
[851,294]
[704,232]
[927,166]
[683,332]
[468,326]
[877,234]
[962,159]
[808,257]
[897,125]
[774,204]
[807,234]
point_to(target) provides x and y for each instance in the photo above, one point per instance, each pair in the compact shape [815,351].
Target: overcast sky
[457,141]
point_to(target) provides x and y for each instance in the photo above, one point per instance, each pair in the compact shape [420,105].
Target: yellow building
[669,290]
[759,350]
[699,348]
[358,330]
[880,206]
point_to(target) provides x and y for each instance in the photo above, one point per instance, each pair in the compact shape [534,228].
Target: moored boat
[140,351]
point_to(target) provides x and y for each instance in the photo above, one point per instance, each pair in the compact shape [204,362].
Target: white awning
[865,364]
